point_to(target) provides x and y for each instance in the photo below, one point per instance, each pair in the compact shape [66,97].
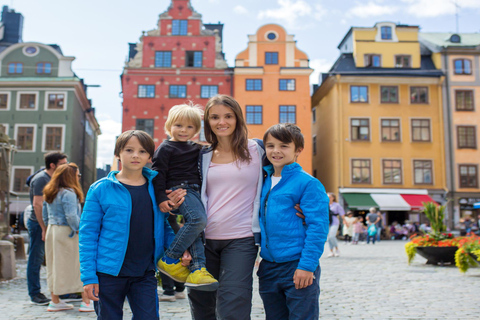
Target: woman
[337,211]
[348,223]
[231,184]
[61,214]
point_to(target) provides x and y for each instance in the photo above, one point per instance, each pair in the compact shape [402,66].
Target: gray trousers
[231,262]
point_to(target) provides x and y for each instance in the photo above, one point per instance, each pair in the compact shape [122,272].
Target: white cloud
[435,8]
[290,10]
[319,66]
[240,10]
[371,9]
[106,141]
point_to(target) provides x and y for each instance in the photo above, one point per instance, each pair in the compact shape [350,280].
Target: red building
[179,61]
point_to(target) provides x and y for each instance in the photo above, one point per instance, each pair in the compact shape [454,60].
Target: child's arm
[160,161]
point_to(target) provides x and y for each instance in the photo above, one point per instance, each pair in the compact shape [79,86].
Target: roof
[442,39]
[56,47]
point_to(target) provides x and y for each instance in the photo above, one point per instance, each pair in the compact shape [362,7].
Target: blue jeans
[35,257]
[379,233]
[332,236]
[280,298]
[371,237]
[189,236]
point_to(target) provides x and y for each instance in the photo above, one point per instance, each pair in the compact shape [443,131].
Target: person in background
[379,226]
[337,212]
[348,224]
[61,214]
[358,230]
[35,226]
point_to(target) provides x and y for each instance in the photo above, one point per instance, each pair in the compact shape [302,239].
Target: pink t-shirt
[231,191]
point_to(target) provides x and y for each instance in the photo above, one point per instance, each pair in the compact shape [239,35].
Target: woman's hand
[186,258]
[302,279]
[91,290]
[177,197]
[166,206]
[300,212]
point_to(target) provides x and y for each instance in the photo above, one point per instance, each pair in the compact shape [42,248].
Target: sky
[97,33]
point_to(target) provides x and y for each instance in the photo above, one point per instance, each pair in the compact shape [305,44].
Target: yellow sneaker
[202,280]
[175,271]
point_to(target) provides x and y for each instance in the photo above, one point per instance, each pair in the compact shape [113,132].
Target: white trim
[34,139]
[7,127]
[19,93]
[44,136]
[399,128]
[24,50]
[378,36]
[9,100]
[411,129]
[47,93]
[13,176]
[386,190]
[413,172]
[271,31]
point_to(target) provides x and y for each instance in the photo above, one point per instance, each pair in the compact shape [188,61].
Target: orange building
[271,83]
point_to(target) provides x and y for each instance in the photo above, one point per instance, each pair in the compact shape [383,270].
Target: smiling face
[133,156]
[222,120]
[280,153]
[182,130]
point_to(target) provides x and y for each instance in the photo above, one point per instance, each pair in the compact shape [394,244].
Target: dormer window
[373,60]
[386,33]
[403,61]
[455,38]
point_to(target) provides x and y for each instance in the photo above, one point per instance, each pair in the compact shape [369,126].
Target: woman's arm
[69,202]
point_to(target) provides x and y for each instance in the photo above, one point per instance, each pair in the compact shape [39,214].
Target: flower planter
[438,255]
[474,258]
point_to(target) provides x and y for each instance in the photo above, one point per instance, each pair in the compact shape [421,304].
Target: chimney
[12,25]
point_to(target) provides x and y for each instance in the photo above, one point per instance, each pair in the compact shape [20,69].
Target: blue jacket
[105,227]
[284,237]
[64,210]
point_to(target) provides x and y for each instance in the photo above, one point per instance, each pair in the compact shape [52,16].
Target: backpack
[372,230]
[330,216]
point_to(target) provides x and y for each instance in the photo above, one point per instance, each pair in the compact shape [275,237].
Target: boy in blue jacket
[289,273]
[123,234]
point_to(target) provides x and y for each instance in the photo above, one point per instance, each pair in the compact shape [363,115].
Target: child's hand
[186,258]
[166,206]
[302,279]
[91,290]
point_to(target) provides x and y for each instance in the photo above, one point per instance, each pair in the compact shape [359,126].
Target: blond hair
[186,112]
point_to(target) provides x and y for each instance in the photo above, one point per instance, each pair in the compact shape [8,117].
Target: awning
[359,201]
[415,200]
[390,202]
[476,205]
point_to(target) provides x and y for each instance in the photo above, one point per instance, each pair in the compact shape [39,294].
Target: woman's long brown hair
[65,176]
[239,139]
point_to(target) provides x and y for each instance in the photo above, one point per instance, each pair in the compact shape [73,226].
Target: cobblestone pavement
[365,282]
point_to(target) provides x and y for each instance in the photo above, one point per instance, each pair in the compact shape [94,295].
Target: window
[194,59]
[390,129]
[359,94]
[287,85]
[360,129]
[389,94]
[56,101]
[28,101]
[53,138]
[146,91]
[163,59]
[4,101]
[271,57]
[418,95]
[468,176]
[44,67]
[20,176]
[201,136]
[421,130]
[288,114]
[314,115]
[423,171]
[314,145]
[145,125]
[392,171]
[461,66]
[253,85]
[254,114]
[372,60]
[361,171]
[466,137]
[178,91]
[464,100]
[24,137]
[386,33]
[208,91]
[15,67]
[402,61]
[179,27]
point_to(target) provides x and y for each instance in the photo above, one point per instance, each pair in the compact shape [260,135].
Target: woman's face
[79,175]
[222,120]
[331,198]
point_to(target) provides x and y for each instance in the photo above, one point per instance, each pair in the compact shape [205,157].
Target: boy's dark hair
[53,158]
[144,138]
[286,132]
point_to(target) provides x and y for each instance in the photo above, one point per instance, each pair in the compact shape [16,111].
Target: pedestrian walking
[337,214]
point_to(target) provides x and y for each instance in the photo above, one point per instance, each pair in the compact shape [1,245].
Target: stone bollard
[19,243]
[7,260]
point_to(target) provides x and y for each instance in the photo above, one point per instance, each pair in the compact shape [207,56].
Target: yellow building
[378,124]
[458,56]
[271,83]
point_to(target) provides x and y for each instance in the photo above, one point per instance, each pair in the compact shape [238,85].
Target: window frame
[412,127]
[34,136]
[271,57]
[399,139]
[15,67]
[253,87]
[359,126]
[47,100]
[462,72]
[20,93]
[466,146]
[286,85]
[390,37]
[401,66]
[190,57]
[43,68]
[460,185]
[389,95]
[209,89]
[12,182]
[253,113]
[427,96]
[44,137]
[182,26]
[170,87]
[156,59]
[464,91]
[314,144]
[137,127]
[7,93]
[383,171]
[423,172]
[368,60]
[314,114]
[287,113]
[352,168]
[147,86]
[358,88]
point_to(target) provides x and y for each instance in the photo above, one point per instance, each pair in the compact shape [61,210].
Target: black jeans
[231,262]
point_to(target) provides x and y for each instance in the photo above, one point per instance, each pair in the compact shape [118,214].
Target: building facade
[180,61]
[44,107]
[458,55]
[272,85]
[378,124]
